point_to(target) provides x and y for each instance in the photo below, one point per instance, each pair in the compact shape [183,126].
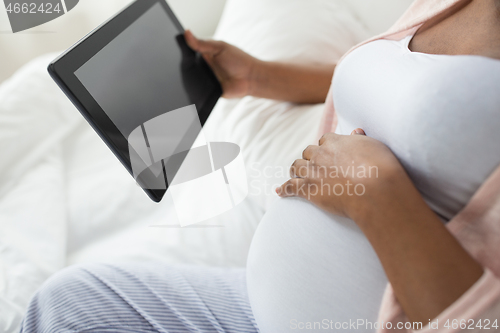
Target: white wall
[201,16]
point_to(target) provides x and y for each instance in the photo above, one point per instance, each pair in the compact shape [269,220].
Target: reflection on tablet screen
[146,71]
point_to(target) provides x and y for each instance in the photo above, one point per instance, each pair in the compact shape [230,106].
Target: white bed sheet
[64,199]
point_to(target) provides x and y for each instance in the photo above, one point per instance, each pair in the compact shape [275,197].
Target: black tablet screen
[136,76]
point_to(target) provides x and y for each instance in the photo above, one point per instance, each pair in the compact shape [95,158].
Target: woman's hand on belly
[346,175]
[360,178]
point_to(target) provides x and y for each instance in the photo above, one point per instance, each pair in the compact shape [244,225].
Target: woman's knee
[60,282]
[55,298]
[69,280]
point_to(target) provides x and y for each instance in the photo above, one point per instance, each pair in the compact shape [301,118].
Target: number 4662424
[33,8]
[471,324]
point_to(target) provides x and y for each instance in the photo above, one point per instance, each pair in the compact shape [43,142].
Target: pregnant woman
[404,188]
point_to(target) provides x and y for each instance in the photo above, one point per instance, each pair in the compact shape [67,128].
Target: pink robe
[477,226]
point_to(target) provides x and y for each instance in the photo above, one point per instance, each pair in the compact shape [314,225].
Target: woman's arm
[427,267]
[241,74]
[291,82]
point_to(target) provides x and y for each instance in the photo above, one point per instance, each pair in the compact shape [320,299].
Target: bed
[65,199]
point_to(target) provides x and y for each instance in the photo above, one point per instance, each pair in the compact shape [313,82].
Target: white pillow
[301,30]
[378,15]
[274,133]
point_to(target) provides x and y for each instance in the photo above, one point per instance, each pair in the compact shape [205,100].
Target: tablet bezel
[63,69]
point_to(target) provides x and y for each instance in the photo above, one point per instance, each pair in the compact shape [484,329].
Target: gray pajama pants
[150,297]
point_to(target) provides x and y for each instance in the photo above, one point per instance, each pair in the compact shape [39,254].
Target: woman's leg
[141,298]
[307,266]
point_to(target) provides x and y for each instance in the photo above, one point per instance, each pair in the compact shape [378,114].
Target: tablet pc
[133,68]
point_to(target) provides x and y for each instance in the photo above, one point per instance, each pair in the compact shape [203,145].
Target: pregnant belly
[312,271]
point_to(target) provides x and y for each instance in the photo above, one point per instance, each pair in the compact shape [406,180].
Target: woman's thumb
[199,45]
[358,131]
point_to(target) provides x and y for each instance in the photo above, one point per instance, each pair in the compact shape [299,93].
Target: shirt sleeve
[477,309]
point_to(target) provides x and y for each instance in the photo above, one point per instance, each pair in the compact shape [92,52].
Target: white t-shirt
[440,115]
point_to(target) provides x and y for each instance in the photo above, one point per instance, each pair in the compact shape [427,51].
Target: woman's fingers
[211,47]
[358,131]
[309,152]
[191,40]
[328,137]
[300,169]
[295,187]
